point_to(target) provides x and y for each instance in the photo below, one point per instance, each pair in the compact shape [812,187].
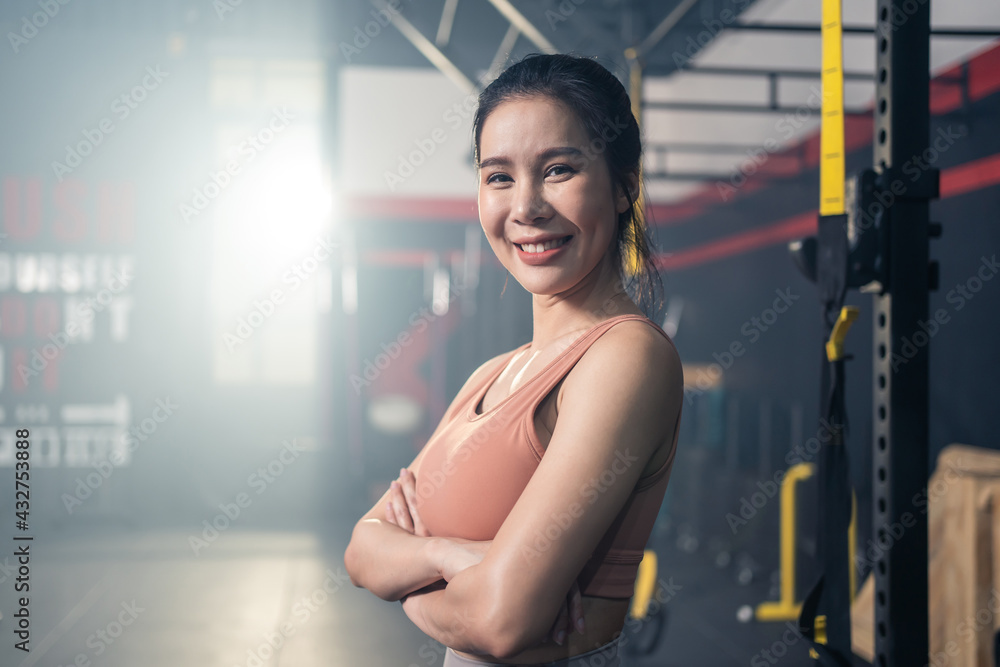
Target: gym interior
[243,275]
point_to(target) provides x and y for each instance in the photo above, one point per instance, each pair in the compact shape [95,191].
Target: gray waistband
[602,656]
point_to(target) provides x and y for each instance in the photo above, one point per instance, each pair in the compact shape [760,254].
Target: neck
[598,297]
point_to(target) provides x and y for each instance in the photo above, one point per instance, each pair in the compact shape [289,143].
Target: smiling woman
[526,514]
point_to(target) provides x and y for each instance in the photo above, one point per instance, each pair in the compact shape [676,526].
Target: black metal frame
[900,451]
[884,27]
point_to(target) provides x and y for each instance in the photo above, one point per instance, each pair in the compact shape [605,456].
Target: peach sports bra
[475,466]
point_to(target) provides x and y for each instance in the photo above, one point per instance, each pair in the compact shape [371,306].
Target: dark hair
[601,103]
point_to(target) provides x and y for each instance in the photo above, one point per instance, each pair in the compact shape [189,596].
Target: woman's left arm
[430,612]
[617,410]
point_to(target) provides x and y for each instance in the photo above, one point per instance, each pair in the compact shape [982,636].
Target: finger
[576,608]
[399,506]
[390,515]
[559,627]
[401,511]
[409,484]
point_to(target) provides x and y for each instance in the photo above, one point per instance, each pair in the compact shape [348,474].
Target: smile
[537,254]
[536,248]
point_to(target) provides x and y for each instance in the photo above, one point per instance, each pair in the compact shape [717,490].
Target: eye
[559,170]
[497,177]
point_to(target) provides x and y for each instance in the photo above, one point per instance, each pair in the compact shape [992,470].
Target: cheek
[491,213]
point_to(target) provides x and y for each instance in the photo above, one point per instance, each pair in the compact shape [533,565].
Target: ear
[622,201]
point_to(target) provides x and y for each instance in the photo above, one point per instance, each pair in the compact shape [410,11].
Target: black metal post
[900,454]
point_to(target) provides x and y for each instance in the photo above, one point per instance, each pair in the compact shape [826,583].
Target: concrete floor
[118,598]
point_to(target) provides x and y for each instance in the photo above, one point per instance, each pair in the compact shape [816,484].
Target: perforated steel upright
[902,129]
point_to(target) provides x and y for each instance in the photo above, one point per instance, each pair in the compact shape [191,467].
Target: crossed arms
[502,597]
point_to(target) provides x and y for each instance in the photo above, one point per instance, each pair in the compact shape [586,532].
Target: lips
[539,247]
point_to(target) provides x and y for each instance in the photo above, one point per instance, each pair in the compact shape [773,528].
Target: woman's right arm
[395,556]
[389,556]
[388,560]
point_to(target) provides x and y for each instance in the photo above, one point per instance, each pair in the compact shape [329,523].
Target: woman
[515,535]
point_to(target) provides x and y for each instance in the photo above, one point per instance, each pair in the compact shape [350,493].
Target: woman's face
[540,179]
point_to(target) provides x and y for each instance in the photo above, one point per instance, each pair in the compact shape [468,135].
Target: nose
[530,205]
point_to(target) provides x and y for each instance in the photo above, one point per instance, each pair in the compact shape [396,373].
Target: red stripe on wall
[786,230]
[945,96]
[964,178]
[970,176]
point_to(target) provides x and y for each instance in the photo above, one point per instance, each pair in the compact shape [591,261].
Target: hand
[459,554]
[570,616]
[401,509]
[456,554]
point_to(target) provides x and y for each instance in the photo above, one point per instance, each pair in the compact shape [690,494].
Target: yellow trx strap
[835,345]
[831,138]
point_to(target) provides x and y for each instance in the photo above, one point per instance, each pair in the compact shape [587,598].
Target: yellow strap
[645,585]
[835,346]
[831,138]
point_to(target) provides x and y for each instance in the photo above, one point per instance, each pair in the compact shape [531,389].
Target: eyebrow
[501,160]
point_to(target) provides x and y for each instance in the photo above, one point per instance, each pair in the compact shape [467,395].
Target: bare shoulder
[635,366]
[643,341]
[637,348]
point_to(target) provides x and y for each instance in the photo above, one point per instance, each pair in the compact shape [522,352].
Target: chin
[545,287]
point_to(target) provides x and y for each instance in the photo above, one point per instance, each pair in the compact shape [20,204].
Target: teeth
[542,247]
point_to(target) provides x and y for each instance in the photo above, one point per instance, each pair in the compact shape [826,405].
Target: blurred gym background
[242,275]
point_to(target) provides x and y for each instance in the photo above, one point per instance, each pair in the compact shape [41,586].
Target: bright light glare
[273,214]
